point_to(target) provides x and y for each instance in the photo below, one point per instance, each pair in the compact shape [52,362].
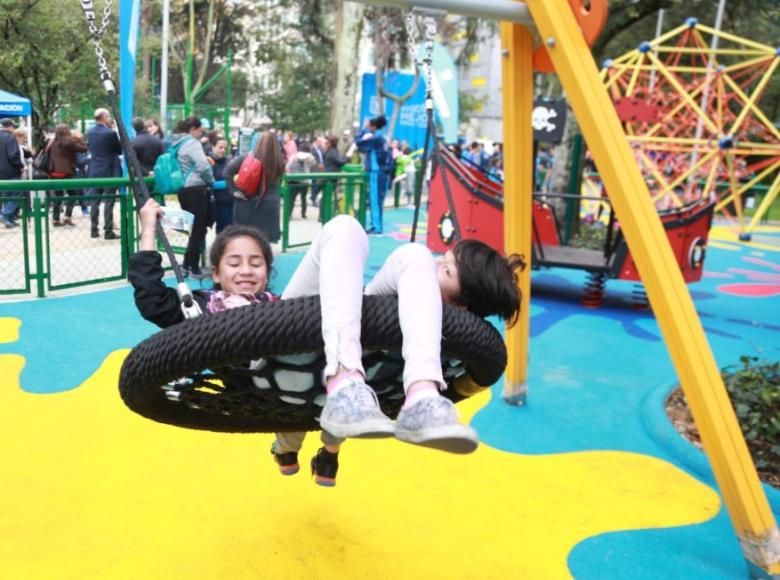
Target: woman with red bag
[260,208]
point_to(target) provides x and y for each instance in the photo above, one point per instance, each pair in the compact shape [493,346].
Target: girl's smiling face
[242,268]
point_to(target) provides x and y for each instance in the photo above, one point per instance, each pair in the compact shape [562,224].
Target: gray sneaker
[434,423]
[354,412]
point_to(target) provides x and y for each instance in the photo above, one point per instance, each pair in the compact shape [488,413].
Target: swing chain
[427,62]
[96,34]
[411,39]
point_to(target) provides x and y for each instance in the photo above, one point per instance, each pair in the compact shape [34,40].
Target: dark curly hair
[489,283]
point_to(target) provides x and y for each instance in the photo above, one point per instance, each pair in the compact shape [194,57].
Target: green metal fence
[37,257]
[342,193]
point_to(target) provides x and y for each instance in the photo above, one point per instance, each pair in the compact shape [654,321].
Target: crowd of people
[209,192]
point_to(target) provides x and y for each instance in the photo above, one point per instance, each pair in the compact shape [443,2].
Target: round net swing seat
[259,368]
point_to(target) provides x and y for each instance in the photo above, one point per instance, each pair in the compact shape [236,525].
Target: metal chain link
[427,62]
[96,34]
[411,39]
[430,38]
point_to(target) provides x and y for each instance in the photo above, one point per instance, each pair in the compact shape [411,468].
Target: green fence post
[349,194]
[327,203]
[363,200]
[285,214]
[128,229]
[575,185]
[39,219]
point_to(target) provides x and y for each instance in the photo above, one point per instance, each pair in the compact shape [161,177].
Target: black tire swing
[259,368]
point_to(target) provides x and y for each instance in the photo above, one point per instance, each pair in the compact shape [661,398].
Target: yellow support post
[517,76]
[698,373]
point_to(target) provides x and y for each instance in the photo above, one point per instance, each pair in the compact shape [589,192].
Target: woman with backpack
[194,196]
[259,208]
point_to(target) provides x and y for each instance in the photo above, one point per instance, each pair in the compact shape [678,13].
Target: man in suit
[11,166]
[104,151]
[147,147]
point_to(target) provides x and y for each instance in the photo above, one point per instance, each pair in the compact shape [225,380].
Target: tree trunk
[204,65]
[349,25]
[147,11]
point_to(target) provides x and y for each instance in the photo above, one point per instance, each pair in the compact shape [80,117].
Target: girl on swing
[472,276]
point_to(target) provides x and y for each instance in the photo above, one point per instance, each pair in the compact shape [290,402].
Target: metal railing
[342,193]
[40,257]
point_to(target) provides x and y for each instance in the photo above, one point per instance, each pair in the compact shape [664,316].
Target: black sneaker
[287,462]
[324,467]
[111,236]
[95,234]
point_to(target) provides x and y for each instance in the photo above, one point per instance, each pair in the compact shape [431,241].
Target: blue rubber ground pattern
[597,380]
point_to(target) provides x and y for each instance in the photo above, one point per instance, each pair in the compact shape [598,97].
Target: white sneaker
[433,422]
[354,411]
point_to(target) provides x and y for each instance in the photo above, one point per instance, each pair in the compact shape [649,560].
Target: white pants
[333,268]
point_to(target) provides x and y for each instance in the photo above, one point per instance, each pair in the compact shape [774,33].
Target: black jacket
[333,160]
[158,303]
[147,148]
[10,157]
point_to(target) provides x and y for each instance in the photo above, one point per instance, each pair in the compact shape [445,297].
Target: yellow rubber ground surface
[91,490]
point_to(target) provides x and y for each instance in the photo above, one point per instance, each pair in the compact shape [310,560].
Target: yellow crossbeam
[735,39]
[757,91]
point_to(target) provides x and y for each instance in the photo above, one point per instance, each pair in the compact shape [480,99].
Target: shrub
[591,236]
[754,388]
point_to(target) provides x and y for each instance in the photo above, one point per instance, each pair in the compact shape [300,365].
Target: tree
[47,56]
[349,26]
[219,26]
[295,46]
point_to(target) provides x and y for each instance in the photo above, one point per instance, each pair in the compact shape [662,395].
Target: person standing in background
[11,166]
[223,199]
[104,150]
[147,147]
[260,209]
[194,196]
[64,149]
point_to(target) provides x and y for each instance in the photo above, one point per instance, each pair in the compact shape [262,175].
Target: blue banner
[129,21]
[412,118]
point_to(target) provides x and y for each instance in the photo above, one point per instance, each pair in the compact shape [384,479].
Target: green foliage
[46,55]
[296,47]
[754,388]
[590,236]
[470,103]
[302,101]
